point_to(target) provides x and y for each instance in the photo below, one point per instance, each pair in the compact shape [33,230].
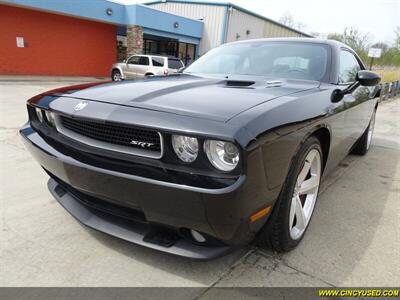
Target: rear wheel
[116,75]
[364,143]
[294,208]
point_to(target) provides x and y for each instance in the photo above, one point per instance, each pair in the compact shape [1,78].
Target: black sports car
[231,150]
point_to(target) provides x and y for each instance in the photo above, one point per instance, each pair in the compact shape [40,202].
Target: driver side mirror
[363,78]
[124,61]
[367,78]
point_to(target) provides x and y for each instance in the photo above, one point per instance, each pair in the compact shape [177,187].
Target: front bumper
[222,214]
[134,232]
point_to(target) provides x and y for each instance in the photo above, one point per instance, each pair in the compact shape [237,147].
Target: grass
[388,74]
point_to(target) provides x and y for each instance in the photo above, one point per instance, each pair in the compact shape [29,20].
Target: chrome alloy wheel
[371,130]
[305,194]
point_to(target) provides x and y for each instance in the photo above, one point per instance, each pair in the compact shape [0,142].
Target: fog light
[197,236]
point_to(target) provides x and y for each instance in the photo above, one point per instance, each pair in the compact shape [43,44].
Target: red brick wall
[55,44]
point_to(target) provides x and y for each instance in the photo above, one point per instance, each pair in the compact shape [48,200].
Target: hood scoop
[247,84]
[239,83]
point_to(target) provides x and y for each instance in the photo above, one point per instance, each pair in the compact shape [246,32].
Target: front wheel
[294,208]
[116,75]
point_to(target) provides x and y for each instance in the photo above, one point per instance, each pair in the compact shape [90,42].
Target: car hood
[214,99]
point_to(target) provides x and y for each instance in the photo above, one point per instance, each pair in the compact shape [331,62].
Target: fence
[389,90]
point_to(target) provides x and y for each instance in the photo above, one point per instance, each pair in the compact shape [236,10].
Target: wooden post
[386,91]
[394,88]
[382,94]
[397,89]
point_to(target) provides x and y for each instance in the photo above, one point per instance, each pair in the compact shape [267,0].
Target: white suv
[140,66]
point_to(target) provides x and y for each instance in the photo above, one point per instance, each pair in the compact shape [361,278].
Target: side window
[157,61]
[134,60]
[348,67]
[144,61]
[174,63]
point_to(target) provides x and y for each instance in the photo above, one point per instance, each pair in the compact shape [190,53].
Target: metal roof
[229,4]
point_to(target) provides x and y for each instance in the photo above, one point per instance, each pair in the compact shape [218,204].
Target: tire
[116,75]
[284,230]
[148,75]
[364,143]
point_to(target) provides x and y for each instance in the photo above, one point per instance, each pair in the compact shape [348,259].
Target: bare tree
[353,38]
[397,38]
[381,45]
[288,20]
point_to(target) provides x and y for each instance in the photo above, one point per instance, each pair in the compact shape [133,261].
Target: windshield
[292,60]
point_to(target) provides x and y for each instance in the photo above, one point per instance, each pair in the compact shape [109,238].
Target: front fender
[120,70]
[278,150]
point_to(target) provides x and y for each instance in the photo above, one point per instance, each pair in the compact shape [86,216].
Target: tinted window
[144,61]
[157,61]
[174,63]
[348,67]
[134,60]
[272,59]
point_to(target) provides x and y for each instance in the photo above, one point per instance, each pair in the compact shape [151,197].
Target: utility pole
[374,53]
[371,63]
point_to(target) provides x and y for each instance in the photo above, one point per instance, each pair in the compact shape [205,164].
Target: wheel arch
[323,134]
[116,68]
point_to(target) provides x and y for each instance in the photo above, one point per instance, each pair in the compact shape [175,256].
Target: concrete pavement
[353,239]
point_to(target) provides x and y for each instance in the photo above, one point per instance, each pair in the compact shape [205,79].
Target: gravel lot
[353,239]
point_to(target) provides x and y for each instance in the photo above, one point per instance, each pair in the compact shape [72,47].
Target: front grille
[112,136]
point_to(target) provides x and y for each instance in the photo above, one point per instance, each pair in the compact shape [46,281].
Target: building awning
[152,20]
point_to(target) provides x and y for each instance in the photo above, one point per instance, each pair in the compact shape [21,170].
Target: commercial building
[79,38]
[225,22]
[83,38]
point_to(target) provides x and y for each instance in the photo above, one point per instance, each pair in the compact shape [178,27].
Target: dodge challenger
[229,151]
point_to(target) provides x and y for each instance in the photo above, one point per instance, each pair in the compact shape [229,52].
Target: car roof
[155,55]
[332,43]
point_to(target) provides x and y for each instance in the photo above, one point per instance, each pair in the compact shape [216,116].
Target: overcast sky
[378,18]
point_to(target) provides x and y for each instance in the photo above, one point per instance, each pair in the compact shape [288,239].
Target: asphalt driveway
[353,239]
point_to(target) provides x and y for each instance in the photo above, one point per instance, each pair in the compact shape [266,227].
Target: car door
[142,67]
[357,106]
[158,65]
[131,67]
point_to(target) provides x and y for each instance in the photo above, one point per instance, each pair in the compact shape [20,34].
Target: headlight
[39,114]
[49,117]
[223,155]
[185,147]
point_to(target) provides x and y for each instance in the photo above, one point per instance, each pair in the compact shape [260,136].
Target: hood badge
[273,83]
[81,105]
[141,144]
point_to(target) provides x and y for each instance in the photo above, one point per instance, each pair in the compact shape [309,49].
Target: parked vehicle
[141,66]
[229,151]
